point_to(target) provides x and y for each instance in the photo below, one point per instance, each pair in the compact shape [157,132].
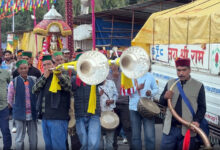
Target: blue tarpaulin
[116,34]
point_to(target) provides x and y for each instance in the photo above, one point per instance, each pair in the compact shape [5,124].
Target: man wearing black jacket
[173,131]
[53,106]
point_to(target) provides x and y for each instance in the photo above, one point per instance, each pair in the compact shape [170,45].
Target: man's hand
[57,72]
[101,92]
[47,73]
[109,102]
[196,124]
[168,95]
[148,93]
[140,86]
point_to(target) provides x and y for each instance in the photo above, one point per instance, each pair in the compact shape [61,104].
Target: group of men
[32,96]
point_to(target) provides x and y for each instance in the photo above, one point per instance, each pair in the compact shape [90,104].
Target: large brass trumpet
[188,124]
[93,66]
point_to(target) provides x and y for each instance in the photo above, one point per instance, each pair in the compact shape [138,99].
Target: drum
[109,120]
[147,108]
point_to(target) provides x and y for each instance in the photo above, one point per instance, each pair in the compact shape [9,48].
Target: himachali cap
[57,53]
[29,54]
[46,57]
[21,62]
[182,62]
[78,50]
[19,52]
[77,56]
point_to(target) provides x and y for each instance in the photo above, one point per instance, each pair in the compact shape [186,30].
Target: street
[122,146]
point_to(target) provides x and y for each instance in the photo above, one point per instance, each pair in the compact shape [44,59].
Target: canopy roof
[194,23]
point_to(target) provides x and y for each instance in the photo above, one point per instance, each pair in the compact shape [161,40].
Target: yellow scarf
[54,86]
[126,83]
[92,100]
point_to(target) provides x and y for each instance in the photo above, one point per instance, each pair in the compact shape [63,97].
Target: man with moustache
[32,71]
[173,131]
[53,106]
[8,63]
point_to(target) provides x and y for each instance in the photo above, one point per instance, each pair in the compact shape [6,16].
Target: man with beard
[8,63]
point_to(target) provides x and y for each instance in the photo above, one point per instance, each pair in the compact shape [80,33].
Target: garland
[12,7]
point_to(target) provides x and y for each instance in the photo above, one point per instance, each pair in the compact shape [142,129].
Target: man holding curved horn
[173,131]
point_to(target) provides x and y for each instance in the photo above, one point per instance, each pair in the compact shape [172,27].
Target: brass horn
[188,124]
[92,67]
[134,62]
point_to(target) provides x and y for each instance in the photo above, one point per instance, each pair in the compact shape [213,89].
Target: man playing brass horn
[173,131]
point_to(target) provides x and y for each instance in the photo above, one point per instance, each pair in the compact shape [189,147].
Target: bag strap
[186,100]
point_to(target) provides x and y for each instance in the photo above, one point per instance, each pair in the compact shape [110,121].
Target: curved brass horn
[188,124]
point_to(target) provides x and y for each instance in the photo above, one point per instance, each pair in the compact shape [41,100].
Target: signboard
[215,58]
[198,53]
[211,118]
[159,52]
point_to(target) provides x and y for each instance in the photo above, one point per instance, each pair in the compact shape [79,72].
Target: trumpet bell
[134,62]
[92,67]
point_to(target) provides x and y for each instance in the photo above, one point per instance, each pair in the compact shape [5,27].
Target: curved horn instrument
[188,124]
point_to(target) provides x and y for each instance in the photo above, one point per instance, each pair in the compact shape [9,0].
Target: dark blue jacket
[19,106]
[81,99]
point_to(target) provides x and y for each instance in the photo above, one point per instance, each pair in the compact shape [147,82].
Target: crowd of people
[30,95]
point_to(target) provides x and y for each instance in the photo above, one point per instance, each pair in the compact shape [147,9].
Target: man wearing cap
[78,52]
[19,54]
[4,111]
[23,102]
[32,71]
[53,106]
[173,131]
[58,58]
[66,55]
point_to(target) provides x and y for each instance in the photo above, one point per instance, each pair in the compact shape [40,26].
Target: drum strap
[105,93]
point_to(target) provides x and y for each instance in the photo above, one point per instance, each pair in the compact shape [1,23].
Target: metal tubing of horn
[62,68]
[188,124]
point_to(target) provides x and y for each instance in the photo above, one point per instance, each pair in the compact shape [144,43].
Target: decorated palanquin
[53,27]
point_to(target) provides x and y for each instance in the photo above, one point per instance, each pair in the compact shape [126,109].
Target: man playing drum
[145,86]
[173,131]
[108,95]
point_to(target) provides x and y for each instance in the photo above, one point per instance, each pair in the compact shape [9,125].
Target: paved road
[41,141]
[122,146]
